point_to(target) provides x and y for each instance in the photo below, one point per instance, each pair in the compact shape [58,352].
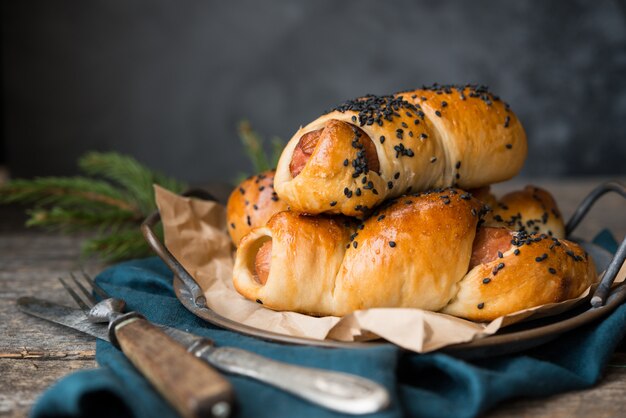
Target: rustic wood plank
[22,381]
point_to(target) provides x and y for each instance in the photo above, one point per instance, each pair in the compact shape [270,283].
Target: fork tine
[86,292]
[100,291]
[74,296]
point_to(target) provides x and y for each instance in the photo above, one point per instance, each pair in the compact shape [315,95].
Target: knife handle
[191,386]
[340,392]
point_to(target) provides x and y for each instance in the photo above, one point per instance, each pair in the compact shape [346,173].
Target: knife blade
[337,391]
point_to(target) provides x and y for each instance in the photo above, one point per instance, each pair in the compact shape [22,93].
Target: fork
[190,385]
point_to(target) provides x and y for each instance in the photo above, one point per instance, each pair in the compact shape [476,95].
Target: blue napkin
[427,385]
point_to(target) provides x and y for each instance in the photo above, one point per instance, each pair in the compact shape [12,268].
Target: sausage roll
[374,148]
[399,257]
[511,271]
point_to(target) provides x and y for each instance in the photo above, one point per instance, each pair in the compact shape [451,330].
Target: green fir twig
[254,148]
[111,199]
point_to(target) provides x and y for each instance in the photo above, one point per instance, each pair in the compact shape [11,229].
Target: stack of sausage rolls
[384,202]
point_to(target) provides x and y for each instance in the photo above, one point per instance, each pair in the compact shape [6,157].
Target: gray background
[167,81]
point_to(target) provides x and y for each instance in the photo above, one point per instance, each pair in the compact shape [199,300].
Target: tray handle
[168,258]
[604,288]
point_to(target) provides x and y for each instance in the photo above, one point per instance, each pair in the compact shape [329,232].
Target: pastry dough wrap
[432,137]
[251,204]
[400,257]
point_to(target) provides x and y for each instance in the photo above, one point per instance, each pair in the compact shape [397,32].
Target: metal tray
[511,339]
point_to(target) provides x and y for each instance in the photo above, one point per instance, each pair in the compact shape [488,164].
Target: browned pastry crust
[533,270]
[431,137]
[399,257]
[532,209]
[252,204]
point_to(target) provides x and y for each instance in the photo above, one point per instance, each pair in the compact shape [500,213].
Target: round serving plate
[511,339]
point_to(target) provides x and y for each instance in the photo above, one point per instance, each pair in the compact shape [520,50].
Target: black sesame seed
[357,192]
[380,218]
[433,159]
[261,188]
[232,225]
[346,162]
[457,165]
[500,254]
[392,244]
[486,280]
[552,271]
[355,244]
[516,252]
[444,104]
[509,146]
[333,203]
[382,139]
[248,220]
[438,113]
[396,176]
[259,301]
[390,185]
[480,305]
[500,266]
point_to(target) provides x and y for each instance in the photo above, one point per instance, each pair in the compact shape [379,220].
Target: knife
[337,391]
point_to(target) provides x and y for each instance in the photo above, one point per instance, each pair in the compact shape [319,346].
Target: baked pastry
[419,251]
[399,257]
[511,271]
[252,204]
[368,150]
[532,209]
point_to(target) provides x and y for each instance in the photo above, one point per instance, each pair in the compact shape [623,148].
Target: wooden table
[34,354]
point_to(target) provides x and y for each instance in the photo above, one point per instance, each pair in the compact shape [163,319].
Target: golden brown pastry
[532,209]
[252,204]
[400,257]
[374,148]
[512,271]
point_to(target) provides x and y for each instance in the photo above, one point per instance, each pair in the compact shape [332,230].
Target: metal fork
[104,311]
[190,385]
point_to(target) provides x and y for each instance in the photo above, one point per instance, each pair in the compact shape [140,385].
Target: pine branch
[132,176]
[112,205]
[67,193]
[253,146]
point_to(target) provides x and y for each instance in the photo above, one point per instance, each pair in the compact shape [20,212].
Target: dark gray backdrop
[167,81]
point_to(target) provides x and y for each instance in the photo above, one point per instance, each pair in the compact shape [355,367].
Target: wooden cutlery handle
[190,385]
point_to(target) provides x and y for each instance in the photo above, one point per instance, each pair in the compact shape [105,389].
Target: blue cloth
[430,385]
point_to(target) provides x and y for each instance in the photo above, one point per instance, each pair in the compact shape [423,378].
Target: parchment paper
[195,233]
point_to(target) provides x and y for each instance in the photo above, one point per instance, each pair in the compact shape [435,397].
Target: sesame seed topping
[486,280]
[551,270]
[232,225]
[480,305]
[380,218]
[346,162]
[259,301]
[392,244]
[355,244]
[438,113]
[396,176]
[382,139]
[509,146]
[333,203]
[433,159]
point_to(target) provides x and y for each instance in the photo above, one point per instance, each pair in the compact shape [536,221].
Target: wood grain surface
[34,354]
